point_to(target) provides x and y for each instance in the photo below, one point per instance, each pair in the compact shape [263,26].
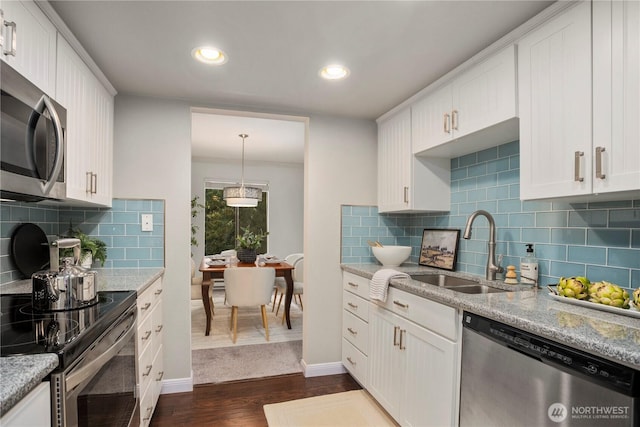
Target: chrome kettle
[64,287]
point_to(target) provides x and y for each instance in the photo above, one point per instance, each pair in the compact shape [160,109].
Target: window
[222,223]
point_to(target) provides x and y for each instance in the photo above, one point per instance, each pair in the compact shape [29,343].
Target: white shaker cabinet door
[394,162]
[431,120]
[35,43]
[616,96]
[554,79]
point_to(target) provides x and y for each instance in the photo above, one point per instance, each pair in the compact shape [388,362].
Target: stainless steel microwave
[32,141]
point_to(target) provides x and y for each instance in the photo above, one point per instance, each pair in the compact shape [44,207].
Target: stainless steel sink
[444,280]
[458,284]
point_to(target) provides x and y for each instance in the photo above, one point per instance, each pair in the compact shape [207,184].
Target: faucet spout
[492,266]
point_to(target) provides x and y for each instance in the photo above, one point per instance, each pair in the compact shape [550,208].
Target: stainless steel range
[95,382]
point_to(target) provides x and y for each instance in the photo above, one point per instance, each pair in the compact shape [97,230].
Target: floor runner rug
[216,365]
[349,409]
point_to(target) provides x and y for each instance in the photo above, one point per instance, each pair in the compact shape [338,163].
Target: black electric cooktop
[68,333]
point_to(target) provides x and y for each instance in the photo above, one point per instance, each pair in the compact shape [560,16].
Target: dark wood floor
[240,403]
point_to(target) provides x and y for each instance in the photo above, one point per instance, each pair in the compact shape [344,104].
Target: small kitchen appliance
[67,287]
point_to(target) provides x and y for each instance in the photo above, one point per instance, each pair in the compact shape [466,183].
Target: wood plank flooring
[240,403]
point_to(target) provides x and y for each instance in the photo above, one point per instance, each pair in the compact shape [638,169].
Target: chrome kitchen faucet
[492,267]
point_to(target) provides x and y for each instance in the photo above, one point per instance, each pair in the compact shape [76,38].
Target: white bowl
[391,256]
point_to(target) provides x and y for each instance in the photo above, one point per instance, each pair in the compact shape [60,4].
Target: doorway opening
[274,159]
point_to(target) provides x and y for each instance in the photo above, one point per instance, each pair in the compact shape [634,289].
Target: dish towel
[380,282]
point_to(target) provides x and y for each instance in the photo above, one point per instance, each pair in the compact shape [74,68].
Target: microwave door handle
[45,103]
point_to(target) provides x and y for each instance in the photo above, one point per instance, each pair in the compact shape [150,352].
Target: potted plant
[248,244]
[91,248]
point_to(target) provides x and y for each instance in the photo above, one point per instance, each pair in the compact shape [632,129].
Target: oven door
[99,389]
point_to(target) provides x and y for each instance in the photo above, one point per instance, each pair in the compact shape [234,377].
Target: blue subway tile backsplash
[600,240]
[119,227]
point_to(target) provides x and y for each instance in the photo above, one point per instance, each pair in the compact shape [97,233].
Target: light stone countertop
[615,337]
[20,374]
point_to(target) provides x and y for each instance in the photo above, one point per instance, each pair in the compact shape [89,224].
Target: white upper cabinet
[406,182]
[89,129]
[554,79]
[579,91]
[480,104]
[34,37]
[616,96]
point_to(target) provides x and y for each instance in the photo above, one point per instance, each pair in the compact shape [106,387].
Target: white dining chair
[280,284]
[248,287]
[298,288]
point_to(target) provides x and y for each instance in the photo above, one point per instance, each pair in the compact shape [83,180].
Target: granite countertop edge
[20,375]
[611,336]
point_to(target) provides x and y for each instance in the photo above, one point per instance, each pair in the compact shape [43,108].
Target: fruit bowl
[391,256]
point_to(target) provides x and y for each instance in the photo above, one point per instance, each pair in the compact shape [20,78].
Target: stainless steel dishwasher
[510,377]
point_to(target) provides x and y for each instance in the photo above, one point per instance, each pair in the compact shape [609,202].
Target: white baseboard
[179,385]
[321,369]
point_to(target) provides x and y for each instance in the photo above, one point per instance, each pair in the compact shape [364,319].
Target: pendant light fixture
[242,197]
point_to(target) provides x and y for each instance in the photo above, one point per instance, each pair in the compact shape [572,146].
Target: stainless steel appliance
[513,378]
[32,130]
[66,287]
[95,382]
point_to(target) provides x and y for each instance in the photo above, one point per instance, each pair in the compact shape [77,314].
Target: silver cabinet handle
[447,125]
[351,361]
[159,328]
[395,335]
[352,305]
[576,166]
[149,367]
[149,412]
[94,183]
[406,194]
[88,181]
[454,119]
[399,304]
[146,337]
[160,375]
[402,346]
[146,306]
[352,332]
[599,174]
[12,43]
[158,292]
[353,285]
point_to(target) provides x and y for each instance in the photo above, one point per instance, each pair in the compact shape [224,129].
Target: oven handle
[86,372]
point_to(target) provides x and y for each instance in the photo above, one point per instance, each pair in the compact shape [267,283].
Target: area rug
[216,365]
[348,409]
[250,330]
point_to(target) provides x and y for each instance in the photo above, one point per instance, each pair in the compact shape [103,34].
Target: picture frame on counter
[439,248]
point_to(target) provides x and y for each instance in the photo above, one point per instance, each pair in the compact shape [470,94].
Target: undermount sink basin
[458,284]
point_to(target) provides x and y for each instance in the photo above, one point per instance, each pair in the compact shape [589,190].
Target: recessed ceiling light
[334,72]
[209,55]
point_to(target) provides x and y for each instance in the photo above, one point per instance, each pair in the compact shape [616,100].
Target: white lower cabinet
[355,326]
[149,350]
[413,371]
[34,410]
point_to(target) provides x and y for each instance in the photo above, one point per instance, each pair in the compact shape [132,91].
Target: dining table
[212,272]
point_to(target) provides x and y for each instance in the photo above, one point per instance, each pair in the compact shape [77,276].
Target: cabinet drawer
[356,331]
[158,374]
[356,284]
[144,334]
[355,362]
[145,368]
[434,316]
[356,305]
[144,302]
[156,291]
[158,326]
[146,408]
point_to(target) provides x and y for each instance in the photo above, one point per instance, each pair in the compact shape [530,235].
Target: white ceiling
[276,48]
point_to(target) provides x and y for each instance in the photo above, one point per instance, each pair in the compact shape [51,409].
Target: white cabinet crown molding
[510,38]
[62,28]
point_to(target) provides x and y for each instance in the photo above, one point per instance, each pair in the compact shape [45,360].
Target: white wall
[152,160]
[286,191]
[340,168]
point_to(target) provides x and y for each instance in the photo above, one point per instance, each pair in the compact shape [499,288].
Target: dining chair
[280,284]
[248,287]
[298,288]
[196,286]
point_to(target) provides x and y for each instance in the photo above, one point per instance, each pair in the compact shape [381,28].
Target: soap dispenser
[529,267]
